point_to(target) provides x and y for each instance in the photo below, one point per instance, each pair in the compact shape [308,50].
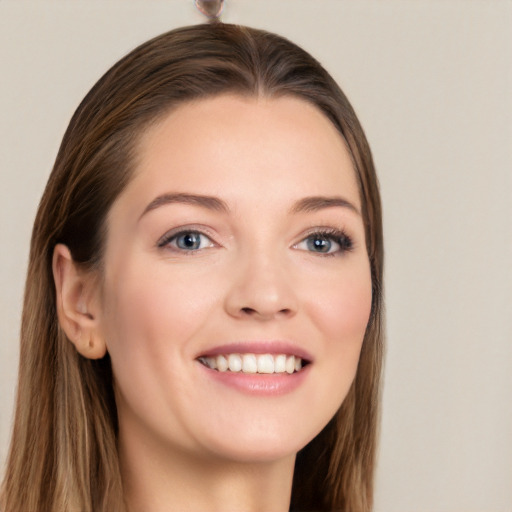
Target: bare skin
[241,228]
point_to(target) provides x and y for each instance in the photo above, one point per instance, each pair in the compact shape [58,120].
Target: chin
[261,442]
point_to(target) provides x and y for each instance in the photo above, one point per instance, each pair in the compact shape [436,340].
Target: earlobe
[77,304]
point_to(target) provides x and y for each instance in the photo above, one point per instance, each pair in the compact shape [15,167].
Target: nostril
[251,312]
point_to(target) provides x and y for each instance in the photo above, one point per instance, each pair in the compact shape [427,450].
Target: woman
[202,317]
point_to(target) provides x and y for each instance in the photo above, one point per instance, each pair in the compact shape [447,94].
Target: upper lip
[258,347]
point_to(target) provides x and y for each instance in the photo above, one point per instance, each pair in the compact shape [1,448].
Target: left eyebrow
[315,203]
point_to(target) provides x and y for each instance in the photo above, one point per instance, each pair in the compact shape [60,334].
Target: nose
[261,288]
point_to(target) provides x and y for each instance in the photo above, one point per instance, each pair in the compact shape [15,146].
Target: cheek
[136,321]
[341,315]
[342,310]
[151,309]
[151,315]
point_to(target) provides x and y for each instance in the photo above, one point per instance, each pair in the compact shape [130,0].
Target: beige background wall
[431,81]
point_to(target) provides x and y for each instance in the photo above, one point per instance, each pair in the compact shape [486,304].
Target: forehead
[252,146]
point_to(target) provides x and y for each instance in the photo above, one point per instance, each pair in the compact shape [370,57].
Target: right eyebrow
[208,202]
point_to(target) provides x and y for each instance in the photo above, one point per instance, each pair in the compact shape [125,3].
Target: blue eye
[319,244]
[186,241]
[328,242]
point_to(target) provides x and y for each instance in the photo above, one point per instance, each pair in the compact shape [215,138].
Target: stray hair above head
[63,454]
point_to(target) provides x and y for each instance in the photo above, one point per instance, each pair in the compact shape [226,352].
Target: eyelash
[339,237]
[168,238]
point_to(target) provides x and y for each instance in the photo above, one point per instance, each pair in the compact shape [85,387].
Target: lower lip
[273,384]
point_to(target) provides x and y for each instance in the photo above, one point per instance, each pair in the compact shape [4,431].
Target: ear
[78,305]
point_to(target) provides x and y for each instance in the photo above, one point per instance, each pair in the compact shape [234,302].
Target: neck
[179,481]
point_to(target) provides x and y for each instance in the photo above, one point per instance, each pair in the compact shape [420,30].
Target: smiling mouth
[254,363]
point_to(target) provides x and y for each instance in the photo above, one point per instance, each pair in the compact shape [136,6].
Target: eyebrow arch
[208,202]
[315,203]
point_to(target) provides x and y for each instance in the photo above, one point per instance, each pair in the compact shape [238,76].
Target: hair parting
[63,454]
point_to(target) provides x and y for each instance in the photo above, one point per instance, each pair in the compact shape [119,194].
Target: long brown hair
[63,454]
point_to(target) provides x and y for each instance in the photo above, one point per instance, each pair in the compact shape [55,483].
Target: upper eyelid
[335,234]
[325,230]
[172,233]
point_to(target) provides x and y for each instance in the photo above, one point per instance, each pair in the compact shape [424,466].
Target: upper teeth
[253,363]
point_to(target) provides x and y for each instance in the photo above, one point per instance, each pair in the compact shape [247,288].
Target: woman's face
[238,247]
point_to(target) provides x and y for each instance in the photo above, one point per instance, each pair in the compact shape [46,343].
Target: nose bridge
[261,284]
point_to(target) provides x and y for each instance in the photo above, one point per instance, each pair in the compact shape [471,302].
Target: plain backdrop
[431,82]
